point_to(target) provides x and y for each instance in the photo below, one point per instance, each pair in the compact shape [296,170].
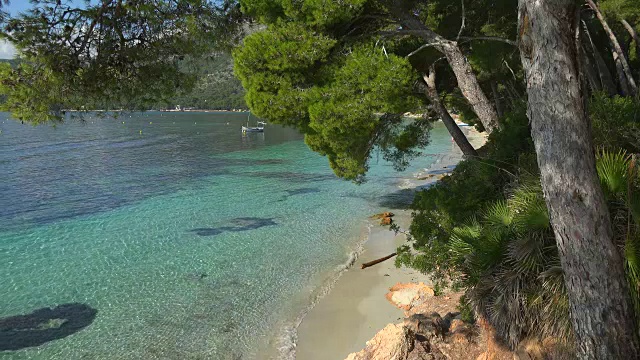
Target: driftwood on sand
[371,263]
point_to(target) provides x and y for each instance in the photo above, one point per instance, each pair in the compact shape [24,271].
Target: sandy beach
[356,308]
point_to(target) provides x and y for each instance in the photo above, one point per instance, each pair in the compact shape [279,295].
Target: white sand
[356,308]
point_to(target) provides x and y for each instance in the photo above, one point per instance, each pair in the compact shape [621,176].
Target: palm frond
[498,215]
[613,170]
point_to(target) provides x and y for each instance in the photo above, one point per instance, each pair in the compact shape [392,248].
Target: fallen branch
[371,263]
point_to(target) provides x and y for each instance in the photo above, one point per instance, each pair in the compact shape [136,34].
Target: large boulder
[394,342]
[408,295]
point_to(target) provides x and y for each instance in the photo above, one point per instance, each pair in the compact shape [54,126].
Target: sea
[164,235]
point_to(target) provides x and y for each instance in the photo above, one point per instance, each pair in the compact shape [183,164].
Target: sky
[7,51]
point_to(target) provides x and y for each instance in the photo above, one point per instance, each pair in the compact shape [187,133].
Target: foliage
[497,243]
[466,312]
[474,184]
[216,87]
[127,53]
[615,122]
[346,100]
[325,68]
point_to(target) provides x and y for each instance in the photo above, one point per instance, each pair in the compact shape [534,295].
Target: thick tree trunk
[603,70]
[634,35]
[453,128]
[600,308]
[616,48]
[496,99]
[467,80]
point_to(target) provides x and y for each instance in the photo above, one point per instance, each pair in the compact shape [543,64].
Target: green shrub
[615,122]
[466,312]
[473,184]
[486,228]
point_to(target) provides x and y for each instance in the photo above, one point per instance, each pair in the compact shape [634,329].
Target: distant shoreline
[172,110]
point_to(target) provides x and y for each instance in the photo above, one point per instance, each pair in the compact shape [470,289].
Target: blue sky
[7,50]
[16,6]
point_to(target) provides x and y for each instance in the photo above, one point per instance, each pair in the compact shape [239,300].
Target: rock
[408,295]
[427,327]
[386,218]
[529,349]
[385,214]
[446,321]
[394,342]
[386,221]
[456,325]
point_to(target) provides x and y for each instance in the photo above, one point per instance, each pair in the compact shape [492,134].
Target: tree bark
[634,35]
[603,70]
[633,89]
[590,71]
[496,99]
[467,80]
[453,128]
[625,88]
[601,312]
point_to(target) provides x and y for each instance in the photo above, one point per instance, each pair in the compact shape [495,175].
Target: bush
[473,184]
[486,229]
[615,122]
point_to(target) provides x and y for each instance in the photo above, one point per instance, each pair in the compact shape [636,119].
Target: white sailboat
[259,128]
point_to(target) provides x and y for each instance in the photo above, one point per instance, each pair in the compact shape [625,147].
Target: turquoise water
[171,234]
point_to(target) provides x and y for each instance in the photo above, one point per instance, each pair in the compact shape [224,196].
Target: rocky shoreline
[433,329]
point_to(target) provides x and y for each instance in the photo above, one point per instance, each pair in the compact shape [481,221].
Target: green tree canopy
[113,52]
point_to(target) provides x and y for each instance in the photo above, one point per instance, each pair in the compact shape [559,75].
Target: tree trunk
[514,96]
[378,261]
[600,308]
[590,71]
[496,99]
[616,48]
[634,34]
[467,80]
[453,128]
[603,70]
[622,79]
[468,83]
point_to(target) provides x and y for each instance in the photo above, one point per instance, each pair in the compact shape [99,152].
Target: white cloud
[7,50]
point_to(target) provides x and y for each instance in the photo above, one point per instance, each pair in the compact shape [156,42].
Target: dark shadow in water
[291,176]
[400,199]
[208,231]
[237,225]
[302,191]
[44,325]
[251,162]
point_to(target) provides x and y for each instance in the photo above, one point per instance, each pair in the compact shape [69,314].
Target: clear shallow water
[185,241]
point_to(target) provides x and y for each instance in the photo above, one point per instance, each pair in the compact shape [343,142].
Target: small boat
[259,128]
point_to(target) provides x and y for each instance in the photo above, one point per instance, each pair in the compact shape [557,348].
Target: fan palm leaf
[613,170]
